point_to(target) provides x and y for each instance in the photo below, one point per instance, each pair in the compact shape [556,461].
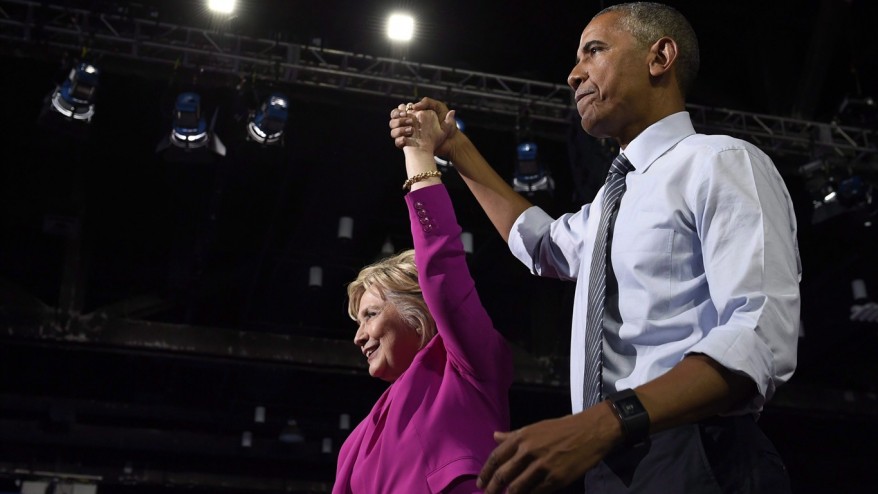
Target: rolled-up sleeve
[747,230]
[550,247]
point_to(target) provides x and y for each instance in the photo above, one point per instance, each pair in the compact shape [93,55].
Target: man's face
[611,80]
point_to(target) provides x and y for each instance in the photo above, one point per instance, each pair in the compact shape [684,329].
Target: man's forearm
[696,388]
[499,201]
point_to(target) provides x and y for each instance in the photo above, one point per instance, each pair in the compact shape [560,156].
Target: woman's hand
[404,126]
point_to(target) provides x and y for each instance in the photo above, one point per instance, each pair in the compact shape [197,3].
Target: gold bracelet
[420,176]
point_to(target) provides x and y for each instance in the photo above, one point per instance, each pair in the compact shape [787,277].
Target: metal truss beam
[104,328]
[788,136]
[120,35]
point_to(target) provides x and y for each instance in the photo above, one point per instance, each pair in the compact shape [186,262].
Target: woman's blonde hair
[395,280]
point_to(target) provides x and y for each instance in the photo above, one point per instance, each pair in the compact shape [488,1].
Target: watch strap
[632,415]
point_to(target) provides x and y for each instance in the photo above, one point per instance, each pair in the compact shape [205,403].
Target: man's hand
[402,125]
[548,455]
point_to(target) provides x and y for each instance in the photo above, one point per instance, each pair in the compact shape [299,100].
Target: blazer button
[424,220]
[419,205]
[422,213]
[428,227]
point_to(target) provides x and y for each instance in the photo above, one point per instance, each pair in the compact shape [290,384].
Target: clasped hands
[424,123]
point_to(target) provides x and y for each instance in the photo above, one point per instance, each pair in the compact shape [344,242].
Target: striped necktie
[597,283]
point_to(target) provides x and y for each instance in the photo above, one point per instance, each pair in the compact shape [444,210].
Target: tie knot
[621,165]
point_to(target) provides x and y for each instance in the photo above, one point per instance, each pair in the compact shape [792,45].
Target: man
[697,304]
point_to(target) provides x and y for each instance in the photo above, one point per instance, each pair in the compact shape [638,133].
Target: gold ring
[409,107]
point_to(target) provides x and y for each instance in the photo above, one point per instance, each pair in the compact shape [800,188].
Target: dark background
[148,306]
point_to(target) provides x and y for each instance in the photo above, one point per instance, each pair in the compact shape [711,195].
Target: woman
[422,328]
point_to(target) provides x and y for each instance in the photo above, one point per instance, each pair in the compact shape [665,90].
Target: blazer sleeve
[473,344]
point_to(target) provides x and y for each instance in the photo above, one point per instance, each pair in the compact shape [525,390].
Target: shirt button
[422,213]
[419,205]
[428,227]
[424,220]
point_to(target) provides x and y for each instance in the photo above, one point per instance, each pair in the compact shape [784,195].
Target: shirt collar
[657,139]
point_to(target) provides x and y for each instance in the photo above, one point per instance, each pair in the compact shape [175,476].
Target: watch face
[634,417]
[630,406]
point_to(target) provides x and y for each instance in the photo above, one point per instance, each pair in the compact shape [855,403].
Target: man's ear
[662,55]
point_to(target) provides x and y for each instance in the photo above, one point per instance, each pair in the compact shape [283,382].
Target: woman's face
[388,343]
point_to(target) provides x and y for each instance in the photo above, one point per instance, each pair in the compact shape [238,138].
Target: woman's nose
[360,337]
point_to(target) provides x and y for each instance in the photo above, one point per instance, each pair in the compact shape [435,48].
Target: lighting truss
[780,135]
[113,35]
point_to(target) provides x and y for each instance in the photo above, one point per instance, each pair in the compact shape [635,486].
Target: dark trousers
[728,455]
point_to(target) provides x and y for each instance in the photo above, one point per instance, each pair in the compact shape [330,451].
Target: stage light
[837,187]
[863,309]
[387,250]
[829,193]
[466,238]
[853,191]
[858,111]
[190,127]
[345,228]
[291,433]
[266,125]
[400,27]
[221,6]
[75,97]
[190,131]
[259,414]
[530,175]
[315,277]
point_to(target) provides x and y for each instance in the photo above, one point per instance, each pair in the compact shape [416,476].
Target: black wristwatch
[632,415]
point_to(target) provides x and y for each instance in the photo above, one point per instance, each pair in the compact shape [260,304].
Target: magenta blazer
[436,422]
